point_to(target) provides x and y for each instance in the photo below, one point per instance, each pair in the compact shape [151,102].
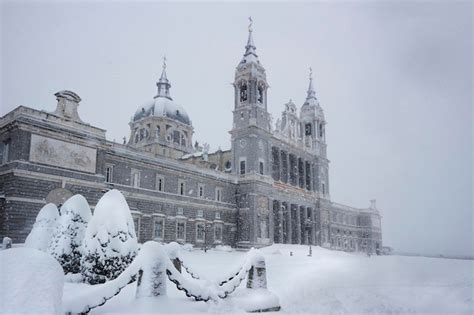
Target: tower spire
[250,54]
[163,83]
[311,92]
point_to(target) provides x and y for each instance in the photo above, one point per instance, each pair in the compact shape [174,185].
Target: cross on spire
[311,91]
[250,54]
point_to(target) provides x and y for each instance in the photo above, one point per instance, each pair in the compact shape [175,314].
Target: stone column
[313,226]
[271,221]
[289,231]
[280,227]
[306,232]
[298,225]
[303,167]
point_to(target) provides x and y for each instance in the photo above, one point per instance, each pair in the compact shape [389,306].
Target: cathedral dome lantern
[161,125]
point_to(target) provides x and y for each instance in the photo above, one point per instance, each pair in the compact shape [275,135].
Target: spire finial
[163,84]
[311,91]
[250,24]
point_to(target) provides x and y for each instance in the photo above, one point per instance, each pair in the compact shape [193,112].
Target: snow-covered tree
[68,235]
[43,229]
[110,243]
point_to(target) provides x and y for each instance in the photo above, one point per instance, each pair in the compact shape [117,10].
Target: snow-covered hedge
[110,242]
[68,235]
[43,229]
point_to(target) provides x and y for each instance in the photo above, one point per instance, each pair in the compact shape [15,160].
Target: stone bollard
[257,278]
[152,277]
[6,243]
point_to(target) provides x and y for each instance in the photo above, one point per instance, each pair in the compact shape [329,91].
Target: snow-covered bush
[110,242]
[68,235]
[43,229]
[31,282]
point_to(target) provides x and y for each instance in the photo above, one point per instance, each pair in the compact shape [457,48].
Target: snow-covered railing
[154,263]
[150,261]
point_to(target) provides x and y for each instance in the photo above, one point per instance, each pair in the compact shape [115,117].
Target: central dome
[162,107]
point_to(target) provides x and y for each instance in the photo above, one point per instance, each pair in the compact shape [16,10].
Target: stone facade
[271,187]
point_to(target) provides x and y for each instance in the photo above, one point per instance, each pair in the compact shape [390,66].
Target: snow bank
[30,282]
[69,233]
[43,229]
[110,242]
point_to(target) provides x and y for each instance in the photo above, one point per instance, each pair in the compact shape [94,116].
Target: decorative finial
[164,62]
[310,73]
[250,23]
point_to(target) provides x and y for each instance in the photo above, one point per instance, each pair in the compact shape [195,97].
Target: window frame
[109,176]
[182,183]
[158,178]
[200,190]
[218,194]
[221,227]
[242,171]
[203,225]
[261,167]
[178,222]
[162,220]
[133,183]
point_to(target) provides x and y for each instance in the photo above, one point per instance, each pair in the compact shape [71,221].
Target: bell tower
[251,120]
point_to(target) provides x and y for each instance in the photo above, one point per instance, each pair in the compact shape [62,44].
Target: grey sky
[394,79]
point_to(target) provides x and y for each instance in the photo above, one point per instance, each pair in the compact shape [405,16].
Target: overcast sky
[394,80]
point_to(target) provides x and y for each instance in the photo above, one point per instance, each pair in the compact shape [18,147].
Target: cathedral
[272,186]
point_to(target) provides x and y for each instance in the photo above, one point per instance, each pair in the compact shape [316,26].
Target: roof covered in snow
[162,107]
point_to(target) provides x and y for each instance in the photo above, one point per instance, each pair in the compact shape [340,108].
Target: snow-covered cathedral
[272,186]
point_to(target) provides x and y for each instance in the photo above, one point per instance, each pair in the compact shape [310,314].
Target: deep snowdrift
[329,282]
[31,281]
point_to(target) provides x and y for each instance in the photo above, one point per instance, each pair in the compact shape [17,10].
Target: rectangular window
[201,190]
[218,233]
[181,187]
[218,193]
[180,211]
[200,231]
[242,167]
[324,189]
[180,230]
[200,213]
[218,215]
[260,169]
[159,228]
[5,151]
[109,170]
[160,183]
[135,182]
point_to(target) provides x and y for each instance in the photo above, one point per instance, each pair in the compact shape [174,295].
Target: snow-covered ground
[329,282]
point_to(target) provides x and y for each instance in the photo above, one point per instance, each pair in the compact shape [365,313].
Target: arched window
[260,91]
[243,91]
[157,132]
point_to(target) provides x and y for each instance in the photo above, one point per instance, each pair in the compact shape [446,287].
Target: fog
[394,80]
